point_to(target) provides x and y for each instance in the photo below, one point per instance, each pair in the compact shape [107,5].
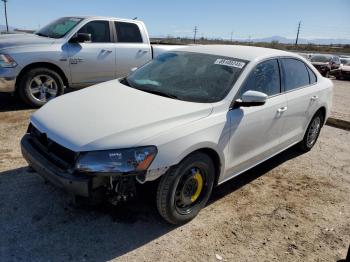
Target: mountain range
[284,40]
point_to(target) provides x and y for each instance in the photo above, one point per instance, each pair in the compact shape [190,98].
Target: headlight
[117,161]
[7,61]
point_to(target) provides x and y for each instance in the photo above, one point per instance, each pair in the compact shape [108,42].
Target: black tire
[306,144]
[171,183]
[26,80]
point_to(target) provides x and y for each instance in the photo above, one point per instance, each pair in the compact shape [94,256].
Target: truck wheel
[312,133]
[185,189]
[39,85]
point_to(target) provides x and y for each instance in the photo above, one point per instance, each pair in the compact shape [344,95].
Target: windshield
[59,28]
[188,76]
[320,58]
[345,61]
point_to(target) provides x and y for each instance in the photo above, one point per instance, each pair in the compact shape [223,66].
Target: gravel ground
[291,208]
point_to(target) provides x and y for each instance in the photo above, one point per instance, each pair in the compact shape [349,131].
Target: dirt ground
[341,99]
[291,208]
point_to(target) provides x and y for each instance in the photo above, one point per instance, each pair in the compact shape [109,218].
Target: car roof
[237,51]
[106,17]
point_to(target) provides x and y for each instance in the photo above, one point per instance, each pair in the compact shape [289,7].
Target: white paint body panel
[111,116]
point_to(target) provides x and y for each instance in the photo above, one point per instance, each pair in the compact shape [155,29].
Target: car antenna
[134,18]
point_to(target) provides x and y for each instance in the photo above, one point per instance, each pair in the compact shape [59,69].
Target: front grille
[55,153]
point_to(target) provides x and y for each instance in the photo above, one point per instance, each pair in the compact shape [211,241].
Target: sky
[214,19]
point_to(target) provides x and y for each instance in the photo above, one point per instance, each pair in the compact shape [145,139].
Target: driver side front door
[95,61]
[255,131]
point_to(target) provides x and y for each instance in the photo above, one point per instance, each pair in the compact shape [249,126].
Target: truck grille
[55,153]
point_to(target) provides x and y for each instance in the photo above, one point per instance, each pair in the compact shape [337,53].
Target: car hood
[17,40]
[111,115]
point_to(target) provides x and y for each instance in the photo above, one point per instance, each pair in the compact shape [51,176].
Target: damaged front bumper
[77,184]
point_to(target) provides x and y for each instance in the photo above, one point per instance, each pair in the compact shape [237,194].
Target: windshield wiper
[125,81]
[160,93]
[41,34]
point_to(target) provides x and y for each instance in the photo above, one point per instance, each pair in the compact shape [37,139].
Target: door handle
[314,98]
[142,51]
[106,51]
[282,109]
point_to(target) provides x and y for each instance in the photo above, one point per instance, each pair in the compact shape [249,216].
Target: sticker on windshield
[231,63]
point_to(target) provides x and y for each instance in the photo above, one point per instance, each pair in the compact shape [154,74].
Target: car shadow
[39,222]
[254,173]
[9,102]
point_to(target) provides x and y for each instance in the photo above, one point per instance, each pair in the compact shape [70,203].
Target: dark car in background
[343,72]
[325,63]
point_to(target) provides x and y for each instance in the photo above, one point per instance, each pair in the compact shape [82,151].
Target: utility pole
[296,40]
[7,25]
[231,36]
[195,31]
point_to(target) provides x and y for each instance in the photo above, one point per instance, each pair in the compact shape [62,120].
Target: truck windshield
[59,28]
[320,58]
[188,76]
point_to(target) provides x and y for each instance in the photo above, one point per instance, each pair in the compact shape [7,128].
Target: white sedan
[189,120]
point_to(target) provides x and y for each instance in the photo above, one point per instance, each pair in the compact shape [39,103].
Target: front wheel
[39,85]
[185,189]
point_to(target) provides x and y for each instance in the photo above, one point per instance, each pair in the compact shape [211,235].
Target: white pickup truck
[72,52]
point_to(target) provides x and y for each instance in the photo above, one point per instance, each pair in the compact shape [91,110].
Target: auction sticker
[231,63]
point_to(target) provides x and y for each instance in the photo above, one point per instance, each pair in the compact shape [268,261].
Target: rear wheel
[39,85]
[312,133]
[185,189]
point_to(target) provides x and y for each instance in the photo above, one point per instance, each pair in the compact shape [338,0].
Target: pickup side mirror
[132,70]
[251,98]
[80,38]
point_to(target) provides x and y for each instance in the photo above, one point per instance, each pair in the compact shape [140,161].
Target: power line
[296,40]
[7,25]
[195,31]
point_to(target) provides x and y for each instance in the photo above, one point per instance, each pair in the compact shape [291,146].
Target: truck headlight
[116,161]
[7,61]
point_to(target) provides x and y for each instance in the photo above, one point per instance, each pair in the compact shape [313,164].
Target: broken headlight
[132,160]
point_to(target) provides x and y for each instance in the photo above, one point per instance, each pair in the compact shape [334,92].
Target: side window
[264,78]
[99,31]
[128,33]
[295,74]
[313,78]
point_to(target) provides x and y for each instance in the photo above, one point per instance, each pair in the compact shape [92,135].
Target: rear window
[128,33]
[295,74]
[312,76]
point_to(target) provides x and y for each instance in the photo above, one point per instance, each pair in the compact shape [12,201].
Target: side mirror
[251,98]
[133,69]
[80,38]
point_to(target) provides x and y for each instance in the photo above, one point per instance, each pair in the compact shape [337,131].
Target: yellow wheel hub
[199,179]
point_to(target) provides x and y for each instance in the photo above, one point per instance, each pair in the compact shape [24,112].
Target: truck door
[133,49]
[93,62]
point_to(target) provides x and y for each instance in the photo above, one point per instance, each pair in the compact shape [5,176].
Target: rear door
[93,62]
[132,48]
[256,131]
[302,92]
